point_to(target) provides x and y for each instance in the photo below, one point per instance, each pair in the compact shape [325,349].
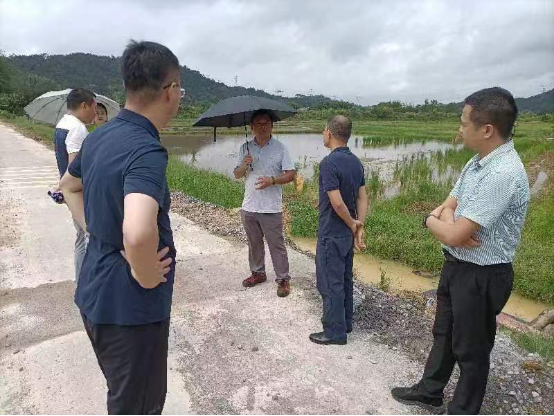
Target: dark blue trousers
[334,262]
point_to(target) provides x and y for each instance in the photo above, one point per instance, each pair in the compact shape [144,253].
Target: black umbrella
[237,111]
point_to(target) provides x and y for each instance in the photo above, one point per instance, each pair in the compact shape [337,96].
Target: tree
[5,75]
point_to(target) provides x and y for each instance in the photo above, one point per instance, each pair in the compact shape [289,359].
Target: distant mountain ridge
[102,74]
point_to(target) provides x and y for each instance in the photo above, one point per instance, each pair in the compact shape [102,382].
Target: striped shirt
[494,193]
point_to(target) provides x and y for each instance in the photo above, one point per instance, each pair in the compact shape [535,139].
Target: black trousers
[134,362]
[334,262]
[469,297]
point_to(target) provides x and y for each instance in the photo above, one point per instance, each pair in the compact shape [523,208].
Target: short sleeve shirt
[121,157]
[494,193]
[340,170]
[269,160]
[69,136]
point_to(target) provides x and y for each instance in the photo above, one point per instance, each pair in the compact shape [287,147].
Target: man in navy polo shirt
[342,212]
[126,283]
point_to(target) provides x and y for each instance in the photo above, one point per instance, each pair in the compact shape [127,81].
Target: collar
[139,120]
[75,117]
[343,149]
[495,154]
[267,144]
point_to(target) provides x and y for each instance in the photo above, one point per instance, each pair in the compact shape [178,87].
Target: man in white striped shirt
[479,226]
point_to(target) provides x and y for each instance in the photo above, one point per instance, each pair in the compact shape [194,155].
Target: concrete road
[231,350]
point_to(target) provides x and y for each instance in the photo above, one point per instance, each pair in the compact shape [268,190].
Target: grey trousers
[270,226]
[80,249]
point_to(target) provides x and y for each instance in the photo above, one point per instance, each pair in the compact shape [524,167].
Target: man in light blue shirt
[479,226]
[266,164]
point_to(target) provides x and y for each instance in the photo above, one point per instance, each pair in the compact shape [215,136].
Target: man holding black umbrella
[266,164]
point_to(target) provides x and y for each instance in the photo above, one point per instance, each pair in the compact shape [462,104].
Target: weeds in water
[316,171]
[384,281]
[400,133]
[374,184]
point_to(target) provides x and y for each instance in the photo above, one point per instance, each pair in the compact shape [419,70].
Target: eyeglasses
[183,92]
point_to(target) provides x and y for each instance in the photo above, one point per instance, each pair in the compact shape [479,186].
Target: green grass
[38,131]
[535,343]
[534,262]
[205,185]
[394,228]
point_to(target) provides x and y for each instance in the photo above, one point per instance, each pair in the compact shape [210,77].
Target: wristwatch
[273,180]
[426,218]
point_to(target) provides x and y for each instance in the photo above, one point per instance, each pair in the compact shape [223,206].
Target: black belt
[450,257]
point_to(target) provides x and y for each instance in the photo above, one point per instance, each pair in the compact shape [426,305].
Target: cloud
[356,50]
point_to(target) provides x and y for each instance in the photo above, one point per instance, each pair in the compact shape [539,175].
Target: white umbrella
[50,107]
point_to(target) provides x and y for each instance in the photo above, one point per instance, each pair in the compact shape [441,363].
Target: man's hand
[355,226]
[162,266]
[72,189]
[248,160]
[437,211]
[359,238]
[472,242]
[263,182]
[240,171]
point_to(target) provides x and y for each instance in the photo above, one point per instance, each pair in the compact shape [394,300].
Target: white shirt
[270,160]
[76,132]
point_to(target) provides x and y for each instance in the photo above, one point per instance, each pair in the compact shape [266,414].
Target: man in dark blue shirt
[117,189]
[342,212]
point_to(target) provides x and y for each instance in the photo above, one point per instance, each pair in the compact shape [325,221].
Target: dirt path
[231,350]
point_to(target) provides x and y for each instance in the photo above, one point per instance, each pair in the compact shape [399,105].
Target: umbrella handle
[248,151]
[246,136]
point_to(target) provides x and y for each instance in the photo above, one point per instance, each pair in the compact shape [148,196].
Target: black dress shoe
[321,338]
[413,397]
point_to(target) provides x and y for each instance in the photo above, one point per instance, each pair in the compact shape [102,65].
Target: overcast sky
[358,50]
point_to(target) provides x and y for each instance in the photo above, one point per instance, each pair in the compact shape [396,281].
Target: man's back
[340,170]
[120,158]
